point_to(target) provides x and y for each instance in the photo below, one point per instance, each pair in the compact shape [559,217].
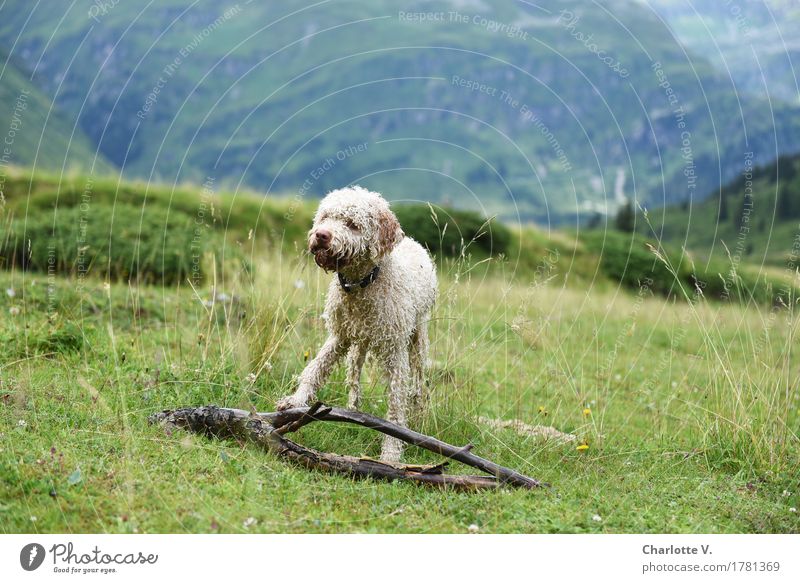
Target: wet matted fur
[354,232]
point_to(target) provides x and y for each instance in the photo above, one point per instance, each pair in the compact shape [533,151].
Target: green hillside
[756,216]
[530,111]
[192,234]
[33,132]
[151,233]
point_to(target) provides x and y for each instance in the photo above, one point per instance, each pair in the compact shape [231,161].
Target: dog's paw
[291,402]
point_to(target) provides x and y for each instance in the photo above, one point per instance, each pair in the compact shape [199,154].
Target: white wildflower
[597,518]
[10,292]
[473,528]
[299,284]
[250,521]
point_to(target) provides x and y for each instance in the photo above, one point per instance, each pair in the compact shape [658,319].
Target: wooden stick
[461,454]
[266,429]
[306,418]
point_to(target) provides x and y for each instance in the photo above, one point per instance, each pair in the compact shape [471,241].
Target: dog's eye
[350,225]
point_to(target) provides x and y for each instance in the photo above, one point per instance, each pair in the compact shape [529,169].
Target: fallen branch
[268,429]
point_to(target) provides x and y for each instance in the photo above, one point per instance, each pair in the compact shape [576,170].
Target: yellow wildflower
[587,412]
[583,446]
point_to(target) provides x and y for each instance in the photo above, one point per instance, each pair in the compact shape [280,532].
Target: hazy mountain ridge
[280,97]
[32,132]
[753,41]
[755,218]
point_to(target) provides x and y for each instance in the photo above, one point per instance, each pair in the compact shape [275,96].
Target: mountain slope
[539,109]
[756,216]
[754,42]
[32,132]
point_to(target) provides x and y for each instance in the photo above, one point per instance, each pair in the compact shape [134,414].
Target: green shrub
[48,339]
[446,231]
[629,260]
[121,242]
[719,281]
[238,217]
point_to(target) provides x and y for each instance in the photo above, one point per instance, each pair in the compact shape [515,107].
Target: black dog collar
[350,286]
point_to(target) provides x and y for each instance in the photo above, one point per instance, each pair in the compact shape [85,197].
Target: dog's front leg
[355,362]
[315,374]
[399,371]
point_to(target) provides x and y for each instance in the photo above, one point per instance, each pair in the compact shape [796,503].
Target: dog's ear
[389,232]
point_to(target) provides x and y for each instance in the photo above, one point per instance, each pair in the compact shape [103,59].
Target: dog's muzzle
[319,245]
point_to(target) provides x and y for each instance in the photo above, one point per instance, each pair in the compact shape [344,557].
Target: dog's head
[352,225]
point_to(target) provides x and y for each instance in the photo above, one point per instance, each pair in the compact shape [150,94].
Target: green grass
[692,427]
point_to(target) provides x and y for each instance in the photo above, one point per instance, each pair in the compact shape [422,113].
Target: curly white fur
[354,230]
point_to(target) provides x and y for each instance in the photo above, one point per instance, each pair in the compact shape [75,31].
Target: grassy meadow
[685,410]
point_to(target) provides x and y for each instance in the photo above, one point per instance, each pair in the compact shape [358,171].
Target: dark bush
[118,242]
[446,231]
[627,259]
[50,339]
[719,281]
[238,217]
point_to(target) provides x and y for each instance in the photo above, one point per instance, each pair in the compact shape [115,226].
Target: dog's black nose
[322,237]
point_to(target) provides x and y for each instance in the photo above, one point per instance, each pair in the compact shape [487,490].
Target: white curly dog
[380,302]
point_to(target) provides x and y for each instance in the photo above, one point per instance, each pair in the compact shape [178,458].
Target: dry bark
[268,430]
